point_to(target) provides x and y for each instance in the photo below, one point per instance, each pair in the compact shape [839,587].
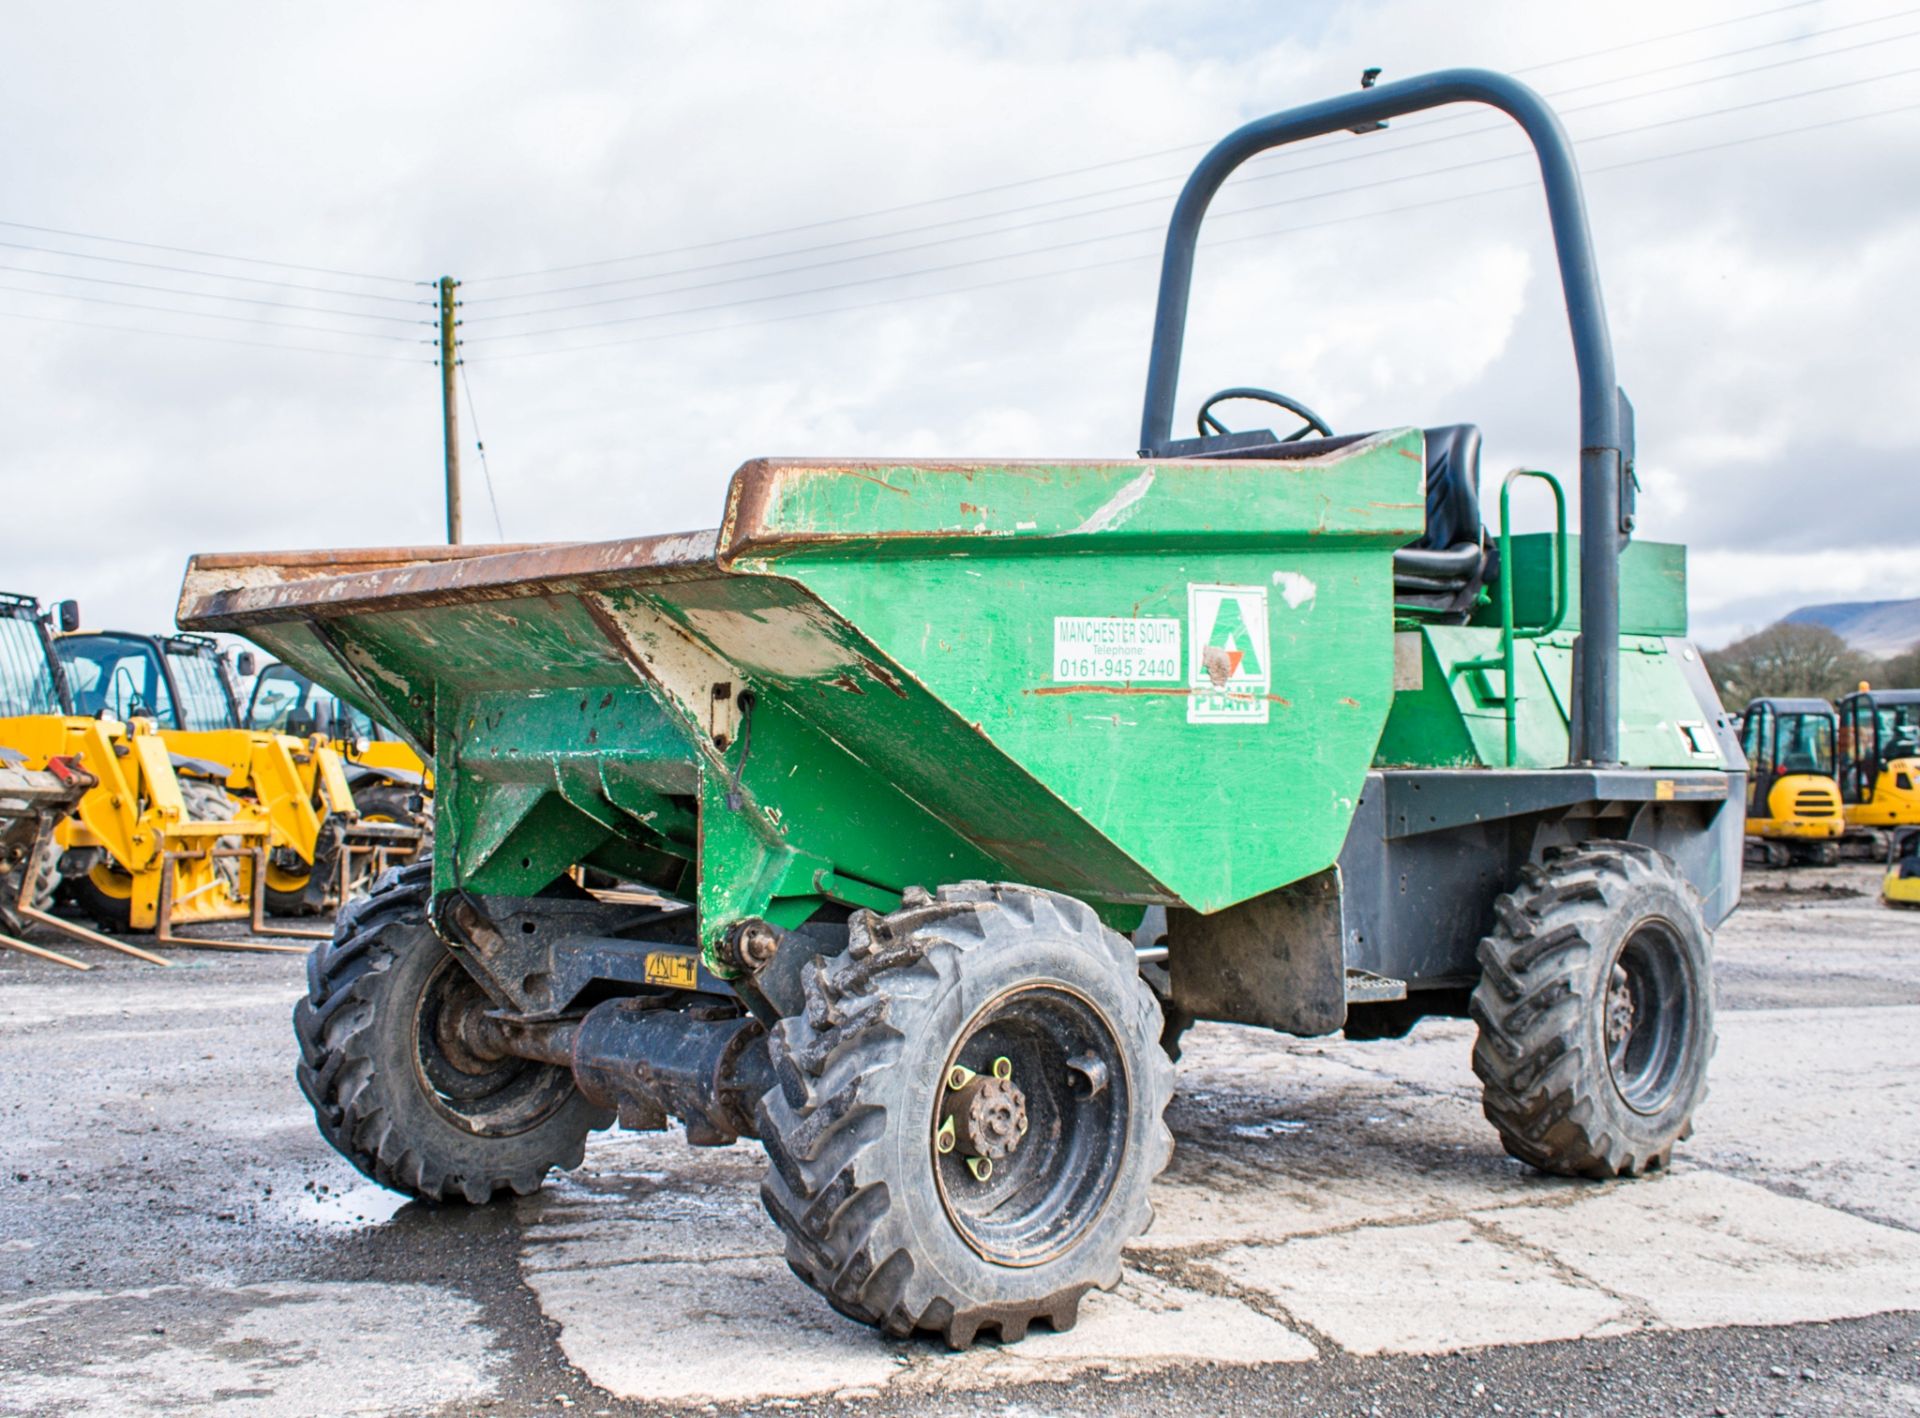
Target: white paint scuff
[1296,590]
[1117,509]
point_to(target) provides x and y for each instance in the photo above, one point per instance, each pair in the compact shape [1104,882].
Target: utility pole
[449,407]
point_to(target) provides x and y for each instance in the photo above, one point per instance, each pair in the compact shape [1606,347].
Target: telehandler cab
[1793,798]
[908,746]
[388,777]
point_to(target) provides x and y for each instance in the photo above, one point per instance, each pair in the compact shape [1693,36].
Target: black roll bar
[1606,455]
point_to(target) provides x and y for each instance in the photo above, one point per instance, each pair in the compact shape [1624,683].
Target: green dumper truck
[837,827]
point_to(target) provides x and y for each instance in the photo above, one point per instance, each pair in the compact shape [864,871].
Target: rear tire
[44,870]
[1151,934]
[898,1232]
[302,886]
[1595,1007]
[110,905]
[386,1090]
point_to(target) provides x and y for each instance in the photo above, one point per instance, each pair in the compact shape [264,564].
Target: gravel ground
[1339,1233]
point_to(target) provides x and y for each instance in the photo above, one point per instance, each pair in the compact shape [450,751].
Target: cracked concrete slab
[629,1236]
[281,1350]
[1701,1249]
[1423,1289]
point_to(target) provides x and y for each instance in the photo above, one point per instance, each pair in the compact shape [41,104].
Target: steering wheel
[1314,423]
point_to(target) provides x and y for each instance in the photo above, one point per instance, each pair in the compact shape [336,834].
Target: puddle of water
[1269,1129]
[358,1206]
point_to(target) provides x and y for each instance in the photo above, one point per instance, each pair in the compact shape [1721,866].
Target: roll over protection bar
[1606,453]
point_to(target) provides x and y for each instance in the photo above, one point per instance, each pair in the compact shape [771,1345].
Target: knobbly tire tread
[44,870]
[825,1122]
[350,1089]
[1553,1102]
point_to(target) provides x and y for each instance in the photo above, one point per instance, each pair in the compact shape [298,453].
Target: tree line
[1788,660]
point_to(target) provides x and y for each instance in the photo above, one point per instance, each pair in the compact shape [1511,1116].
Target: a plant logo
[1228,674]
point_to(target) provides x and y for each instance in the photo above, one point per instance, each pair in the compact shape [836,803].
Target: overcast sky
[922,229]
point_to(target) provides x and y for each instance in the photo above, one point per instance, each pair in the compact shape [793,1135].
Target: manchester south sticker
[1229,667]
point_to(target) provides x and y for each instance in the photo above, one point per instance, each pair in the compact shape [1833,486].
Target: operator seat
[1441,573]
[1444,570]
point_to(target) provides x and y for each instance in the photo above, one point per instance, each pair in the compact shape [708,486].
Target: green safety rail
[1509,633]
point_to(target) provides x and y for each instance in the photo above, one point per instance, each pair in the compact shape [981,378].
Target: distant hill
[1877,627]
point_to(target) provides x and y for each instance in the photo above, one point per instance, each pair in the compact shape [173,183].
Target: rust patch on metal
[231,591]
[883,674]
[848,683]
[877,482]
[1133,690]
[1219,665]
[1124,689]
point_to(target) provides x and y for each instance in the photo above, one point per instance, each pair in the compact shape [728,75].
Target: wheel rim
[111,881]
[287,882]
[486,1095]
[1648,1017]
[1056,1111]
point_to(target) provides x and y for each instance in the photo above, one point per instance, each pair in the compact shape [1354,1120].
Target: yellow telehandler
[128,847]
[320,846]
[390,780]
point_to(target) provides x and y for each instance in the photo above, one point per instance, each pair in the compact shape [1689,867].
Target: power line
[205,275]
[480,446]
[1388,150]
[1087,168]
[205,339]
[207,314]
[1208,244]
[1156,229]
[1163,183]
[1660,38]
[210,255]
[215,295]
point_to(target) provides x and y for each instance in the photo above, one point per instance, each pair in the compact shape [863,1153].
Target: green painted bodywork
[1455,716]
[1653,586]
[856,688]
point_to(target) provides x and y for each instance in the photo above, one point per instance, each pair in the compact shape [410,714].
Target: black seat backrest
[1453,487]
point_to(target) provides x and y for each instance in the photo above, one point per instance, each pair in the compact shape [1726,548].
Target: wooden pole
[449,407]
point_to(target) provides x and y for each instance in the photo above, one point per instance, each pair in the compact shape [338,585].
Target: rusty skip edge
[234,590]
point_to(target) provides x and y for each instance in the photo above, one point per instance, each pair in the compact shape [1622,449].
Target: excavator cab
[1793,799]
[1879,747]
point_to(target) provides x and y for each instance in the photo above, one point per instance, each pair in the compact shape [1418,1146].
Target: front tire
[391,1087]
[1042,1012]
[1595,1009]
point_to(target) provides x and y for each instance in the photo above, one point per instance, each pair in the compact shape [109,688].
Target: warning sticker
[1093,649]
[680,972]
[1228,668]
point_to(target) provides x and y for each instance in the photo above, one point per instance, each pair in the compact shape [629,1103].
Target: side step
[1365,987]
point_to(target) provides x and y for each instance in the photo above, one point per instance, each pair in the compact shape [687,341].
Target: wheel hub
[1648,1021]
[988,1112]
[1620,1011]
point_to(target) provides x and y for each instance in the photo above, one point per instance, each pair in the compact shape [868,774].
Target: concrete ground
[1339,1232]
